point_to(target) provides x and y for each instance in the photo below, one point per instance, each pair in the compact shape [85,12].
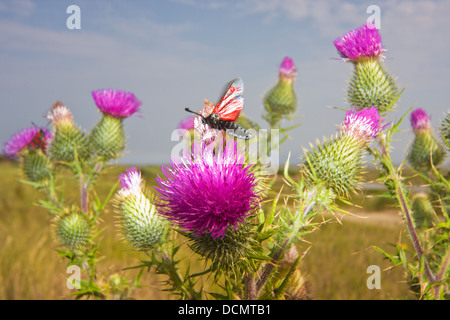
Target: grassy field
[335,264]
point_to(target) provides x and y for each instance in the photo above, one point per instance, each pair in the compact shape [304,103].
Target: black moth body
[231,128]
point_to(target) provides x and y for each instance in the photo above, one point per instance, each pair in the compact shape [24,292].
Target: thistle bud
[281,100]
[141,226]
[73,230]
[423,212]
[371,85]
[68,139]
[425,150]
[36,166]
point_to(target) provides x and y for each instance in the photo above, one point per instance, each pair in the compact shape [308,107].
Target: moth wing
[232,102]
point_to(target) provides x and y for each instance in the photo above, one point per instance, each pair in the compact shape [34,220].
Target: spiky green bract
[36,166]
[425,151]
[336,163]
[73,230]
[371,85]
[67,141]
[423,212]
[234,252]
[445,130]
[108,138]
[280,101]
[141,226]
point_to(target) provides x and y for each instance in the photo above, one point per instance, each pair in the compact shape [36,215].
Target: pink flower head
[364,42]
[60,115]
[130,182]
[287,68]
[420,121]
[208,191]
[119,104]
[364,125]
[23,138]
[187,123]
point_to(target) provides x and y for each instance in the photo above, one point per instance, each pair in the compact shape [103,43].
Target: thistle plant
[212,204]
[49,157]
[371,86]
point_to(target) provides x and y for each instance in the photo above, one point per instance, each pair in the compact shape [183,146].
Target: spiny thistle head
[68,139]
[141,226]
[73,230]
[423,212]
[37,166]
[425,150]
[208,191]
[420,121]
[336,163]
[117,103]
[371,85]
[361,43]
[445,129]
[364,125]
[230,252]
[281,100]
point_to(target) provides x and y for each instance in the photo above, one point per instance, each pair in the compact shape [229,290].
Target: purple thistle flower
[208,192]
[287,68]
[364,42]
[364,124]
[22,139]
[119,104]
[420,121]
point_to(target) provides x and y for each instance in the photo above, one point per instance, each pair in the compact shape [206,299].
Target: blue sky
[173,54]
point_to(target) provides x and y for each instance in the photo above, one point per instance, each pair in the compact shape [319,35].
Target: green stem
[172,272]
[400,195]
[295,228]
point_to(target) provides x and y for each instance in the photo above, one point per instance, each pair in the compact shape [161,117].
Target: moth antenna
[188,110]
